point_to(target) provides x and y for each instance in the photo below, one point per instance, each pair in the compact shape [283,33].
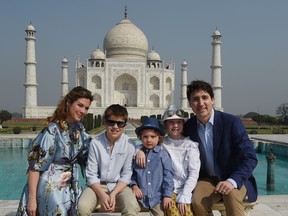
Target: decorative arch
[168,100]
[97,100]
[154,100]
[125,92]
[154,83]
[168,84]
[96,80]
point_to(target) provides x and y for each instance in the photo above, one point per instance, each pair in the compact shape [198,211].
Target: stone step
[118,214]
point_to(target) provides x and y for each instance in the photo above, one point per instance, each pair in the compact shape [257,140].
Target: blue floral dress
[55,154]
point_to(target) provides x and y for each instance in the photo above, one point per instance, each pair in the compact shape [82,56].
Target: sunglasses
[120,124]
[179,113]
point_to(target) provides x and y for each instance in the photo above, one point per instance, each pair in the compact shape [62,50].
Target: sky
[254,45]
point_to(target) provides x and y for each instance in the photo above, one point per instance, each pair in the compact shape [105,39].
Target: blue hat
[150,123]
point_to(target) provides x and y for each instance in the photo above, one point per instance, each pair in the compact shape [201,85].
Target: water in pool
[13,167]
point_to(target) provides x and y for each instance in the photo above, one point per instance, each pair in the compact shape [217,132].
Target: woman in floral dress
[53,187]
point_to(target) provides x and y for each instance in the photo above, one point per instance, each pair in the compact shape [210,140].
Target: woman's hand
[32,207]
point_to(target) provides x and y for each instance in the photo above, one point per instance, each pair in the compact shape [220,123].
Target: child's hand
[140,159]
[167,203]
[182,208]
[137,192]
[105,202]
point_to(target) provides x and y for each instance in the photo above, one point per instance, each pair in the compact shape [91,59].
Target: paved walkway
[272,205]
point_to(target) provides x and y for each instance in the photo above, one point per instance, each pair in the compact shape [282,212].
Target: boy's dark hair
[116,110]
[197,85]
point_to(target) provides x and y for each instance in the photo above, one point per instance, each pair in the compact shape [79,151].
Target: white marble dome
[98,54]
[184,63]
[30,28]
[64,60]
[216,33]
[154,56]
[125,40]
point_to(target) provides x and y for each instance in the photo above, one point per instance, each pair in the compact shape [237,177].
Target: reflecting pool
[13,177]
[13,166]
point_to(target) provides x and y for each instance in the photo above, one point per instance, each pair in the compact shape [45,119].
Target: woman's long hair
[61,112]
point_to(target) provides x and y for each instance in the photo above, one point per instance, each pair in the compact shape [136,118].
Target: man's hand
[224,187]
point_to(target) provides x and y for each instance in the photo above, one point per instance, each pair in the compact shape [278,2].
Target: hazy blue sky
[254,44]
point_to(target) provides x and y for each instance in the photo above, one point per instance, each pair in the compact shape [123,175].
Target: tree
[4,116]
[282,110]
[270,119]
[251,115]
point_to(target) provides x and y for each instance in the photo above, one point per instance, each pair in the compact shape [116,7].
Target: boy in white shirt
[109,168]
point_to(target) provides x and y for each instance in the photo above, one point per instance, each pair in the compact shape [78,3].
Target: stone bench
[221,208]
[216,207]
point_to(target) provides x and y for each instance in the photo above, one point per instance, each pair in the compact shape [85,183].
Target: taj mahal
[124,72]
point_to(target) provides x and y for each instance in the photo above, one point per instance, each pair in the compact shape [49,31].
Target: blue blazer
[234,153]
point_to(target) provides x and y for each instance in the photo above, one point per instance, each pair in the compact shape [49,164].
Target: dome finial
[125,14]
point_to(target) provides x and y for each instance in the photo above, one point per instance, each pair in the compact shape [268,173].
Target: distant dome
[154,56]
[184,63]
[98,54]
[64,60]
[216,33]
[125,40]
[30,28]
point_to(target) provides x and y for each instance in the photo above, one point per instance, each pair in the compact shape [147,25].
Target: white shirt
[186,165]
[110,167]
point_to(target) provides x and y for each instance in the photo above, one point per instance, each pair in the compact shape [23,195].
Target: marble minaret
[216,68]
[65,82]
[30,67]
[184,101]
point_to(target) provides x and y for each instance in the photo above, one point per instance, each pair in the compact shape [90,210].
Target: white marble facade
[125,72]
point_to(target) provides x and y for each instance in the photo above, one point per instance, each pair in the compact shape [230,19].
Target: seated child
[185,161]
[109,168]
[153,184]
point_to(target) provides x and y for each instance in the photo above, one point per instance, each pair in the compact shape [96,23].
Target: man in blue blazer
[227,155]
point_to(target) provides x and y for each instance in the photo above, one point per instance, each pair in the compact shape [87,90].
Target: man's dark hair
[197,85]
